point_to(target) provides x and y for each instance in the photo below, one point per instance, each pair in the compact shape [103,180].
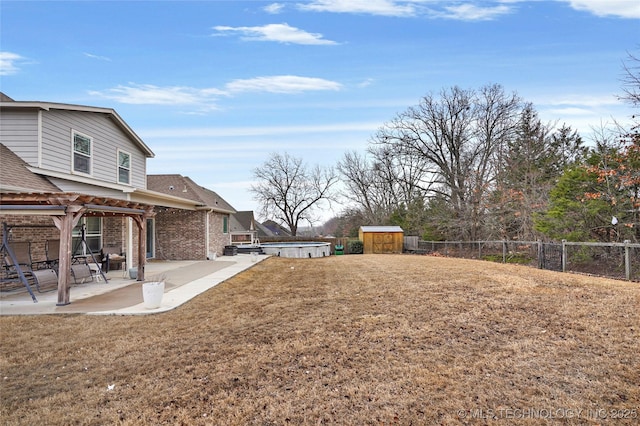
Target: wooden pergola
[66,209]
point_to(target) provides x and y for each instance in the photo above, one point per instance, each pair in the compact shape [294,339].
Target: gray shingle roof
[183,187]
[16,177]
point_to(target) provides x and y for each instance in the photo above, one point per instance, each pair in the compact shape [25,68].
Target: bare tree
[454,138]
[289,191]
[631,80]
[368,186]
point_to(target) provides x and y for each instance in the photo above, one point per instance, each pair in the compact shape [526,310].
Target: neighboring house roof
[242,221]
[183,187]
[15,175]
[381,229]
[6,102]
[275,228]
[245,221]
[263,231]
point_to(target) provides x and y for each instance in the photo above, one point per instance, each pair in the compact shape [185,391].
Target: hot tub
[297,249]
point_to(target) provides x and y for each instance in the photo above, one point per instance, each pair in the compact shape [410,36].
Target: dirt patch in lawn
[374,339]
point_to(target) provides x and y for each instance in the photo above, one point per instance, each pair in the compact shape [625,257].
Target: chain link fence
[614,260]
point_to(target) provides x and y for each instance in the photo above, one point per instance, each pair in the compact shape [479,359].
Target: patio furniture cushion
[112,258]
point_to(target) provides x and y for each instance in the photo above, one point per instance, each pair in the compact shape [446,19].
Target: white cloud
[371,7]
[148,94]
[471,12]
[282,33]
[282,84]
[274,8]
[571,111]
[9,63]
[101,58]
[582,101]
[205,99]
[620,8]
[218,132]
[365,83]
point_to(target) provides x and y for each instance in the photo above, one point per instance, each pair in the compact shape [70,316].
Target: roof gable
[8,103]
[245,220]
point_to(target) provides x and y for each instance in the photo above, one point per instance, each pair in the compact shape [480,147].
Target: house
[70,171]
[276,229]
[245,230]
[189,234]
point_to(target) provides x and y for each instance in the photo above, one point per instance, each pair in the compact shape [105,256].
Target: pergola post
[141,222]
[65,225]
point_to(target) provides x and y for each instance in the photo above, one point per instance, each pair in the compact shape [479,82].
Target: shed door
[383,242]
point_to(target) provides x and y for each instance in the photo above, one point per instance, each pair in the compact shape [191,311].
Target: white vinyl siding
[107,137]
[19,133]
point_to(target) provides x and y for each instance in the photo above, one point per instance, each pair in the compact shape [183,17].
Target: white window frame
[121,167]
[76,234]
[73,153]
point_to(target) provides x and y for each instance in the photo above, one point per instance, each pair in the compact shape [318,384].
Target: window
[82,153]
[124,167]
[225,225]
[92,233]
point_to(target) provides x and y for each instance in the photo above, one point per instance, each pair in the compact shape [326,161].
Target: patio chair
[52,250]
[45,278]
[22,251]
[41,277]
[112,258]
[81,273]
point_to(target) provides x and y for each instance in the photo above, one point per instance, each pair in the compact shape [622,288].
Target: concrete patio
[122,295]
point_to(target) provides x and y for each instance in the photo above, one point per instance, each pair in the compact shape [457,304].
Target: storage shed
[381,239]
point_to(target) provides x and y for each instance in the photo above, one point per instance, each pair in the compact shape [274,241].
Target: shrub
[356,247]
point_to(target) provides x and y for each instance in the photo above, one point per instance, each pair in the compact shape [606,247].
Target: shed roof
[381,229]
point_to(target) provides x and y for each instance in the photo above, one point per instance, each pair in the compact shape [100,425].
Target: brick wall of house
[180,235]
[217,240]
[36,229]
[114,233]
[39,229]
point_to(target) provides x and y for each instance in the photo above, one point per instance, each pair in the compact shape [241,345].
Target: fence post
[627,259]
[540,254]
[504,252]
[564,256]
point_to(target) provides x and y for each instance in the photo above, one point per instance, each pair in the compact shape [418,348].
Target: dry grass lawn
[357,340]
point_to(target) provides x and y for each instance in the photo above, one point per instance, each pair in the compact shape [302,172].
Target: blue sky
[214,87]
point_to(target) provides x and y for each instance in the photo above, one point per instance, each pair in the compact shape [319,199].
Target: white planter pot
[152,294]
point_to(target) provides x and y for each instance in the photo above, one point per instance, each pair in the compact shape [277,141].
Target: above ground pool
[297,249]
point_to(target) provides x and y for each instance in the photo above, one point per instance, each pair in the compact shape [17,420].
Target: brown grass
[374,339]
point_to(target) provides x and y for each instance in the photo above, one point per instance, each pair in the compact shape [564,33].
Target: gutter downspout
[129,254]
[207,243]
